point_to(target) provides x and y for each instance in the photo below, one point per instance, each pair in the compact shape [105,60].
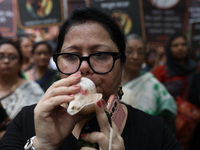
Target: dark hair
[137,37]
[22,37]
[83,14]
[14,44]
[41,43]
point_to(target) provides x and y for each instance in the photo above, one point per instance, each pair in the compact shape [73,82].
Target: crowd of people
[25,74]
[32,90]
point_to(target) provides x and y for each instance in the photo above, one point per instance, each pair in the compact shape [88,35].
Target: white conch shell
[84,100]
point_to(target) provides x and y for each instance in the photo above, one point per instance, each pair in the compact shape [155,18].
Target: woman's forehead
[8,47]
[90,34]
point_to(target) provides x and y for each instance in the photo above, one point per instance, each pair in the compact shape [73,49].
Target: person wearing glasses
[148,94]
[41,72]
[91,45]
[26,46]
[15,91]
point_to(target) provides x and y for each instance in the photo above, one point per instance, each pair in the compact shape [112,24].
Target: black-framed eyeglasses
[99,62]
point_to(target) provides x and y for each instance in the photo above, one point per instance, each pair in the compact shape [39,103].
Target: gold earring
[120,92]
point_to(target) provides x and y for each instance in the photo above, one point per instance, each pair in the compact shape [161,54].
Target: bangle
[29,144]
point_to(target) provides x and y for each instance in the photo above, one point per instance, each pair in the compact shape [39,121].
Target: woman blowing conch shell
[84,100]
[90,44]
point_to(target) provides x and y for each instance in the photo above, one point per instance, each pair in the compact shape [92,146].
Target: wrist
[39,146]
[34,144]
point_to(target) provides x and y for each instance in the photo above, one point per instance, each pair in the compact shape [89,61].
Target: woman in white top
[15,91]
[144,90]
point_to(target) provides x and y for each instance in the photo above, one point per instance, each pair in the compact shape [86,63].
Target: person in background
[26,46]
[51,38]
[161,59]
[178,73]
[148,94]
[15,91]
[90,44]
[150,60]
[40,72]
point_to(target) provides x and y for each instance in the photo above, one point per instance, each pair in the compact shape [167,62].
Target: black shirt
[141,132]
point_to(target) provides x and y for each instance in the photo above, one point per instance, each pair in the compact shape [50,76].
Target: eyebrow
[91,47]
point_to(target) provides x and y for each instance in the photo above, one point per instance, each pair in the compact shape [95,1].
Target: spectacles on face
[9,57]
[99,62]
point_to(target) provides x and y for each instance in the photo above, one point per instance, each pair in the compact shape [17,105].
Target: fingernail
[76,85]
[71,95]
[83,135]
[103,102]
[77,74]
[99,103]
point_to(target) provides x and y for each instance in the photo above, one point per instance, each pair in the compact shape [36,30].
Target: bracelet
[29,144]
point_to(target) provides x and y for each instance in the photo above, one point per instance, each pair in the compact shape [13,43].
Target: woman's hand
[103,137]
[52,122]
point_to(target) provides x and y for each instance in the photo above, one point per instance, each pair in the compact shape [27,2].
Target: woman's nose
[85,67]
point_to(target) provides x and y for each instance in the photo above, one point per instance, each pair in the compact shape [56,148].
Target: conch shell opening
[84,100]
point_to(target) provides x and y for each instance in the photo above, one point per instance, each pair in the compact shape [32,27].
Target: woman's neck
[39,72]
[26,63]
[128,76]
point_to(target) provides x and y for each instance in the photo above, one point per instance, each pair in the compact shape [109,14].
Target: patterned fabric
[182,87]
[26,94]
[149,95]
[176,85]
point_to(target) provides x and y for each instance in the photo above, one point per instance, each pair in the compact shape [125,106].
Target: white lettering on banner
[177,25]
[195,15]
[111,5]
[39,22]
[6,13]
[156,12]
[2,19]
[171,18]
[155,31]
[157,24]
[161,31]
[194,9]
[169,12]
[169,31]
[157,18]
